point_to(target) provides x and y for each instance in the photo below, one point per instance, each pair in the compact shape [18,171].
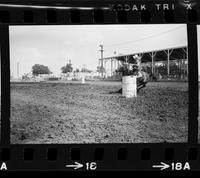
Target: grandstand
[169,63]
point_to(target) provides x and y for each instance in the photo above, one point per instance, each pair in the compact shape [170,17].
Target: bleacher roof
[178,53]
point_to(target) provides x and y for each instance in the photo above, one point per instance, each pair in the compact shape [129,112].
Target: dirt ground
[87,113]
[199,118]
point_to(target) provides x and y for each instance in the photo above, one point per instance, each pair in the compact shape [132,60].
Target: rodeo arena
[128,94]
[164,65]
[159,65]
[132,98]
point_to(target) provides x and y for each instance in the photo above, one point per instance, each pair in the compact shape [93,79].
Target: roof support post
[102,67]
[168,62]
[111,62]
[186,55]
[118,64]
[168,52]
[187,60]
[105,67]
[115,66]
[152,63]
[152,54]
[126,59]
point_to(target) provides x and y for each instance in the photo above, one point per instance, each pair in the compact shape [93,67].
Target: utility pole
[101,50]
[17,69]
[115,61]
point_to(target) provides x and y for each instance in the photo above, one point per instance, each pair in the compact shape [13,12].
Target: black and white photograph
[98,84]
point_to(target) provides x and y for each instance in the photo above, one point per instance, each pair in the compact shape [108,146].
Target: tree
[84,69]
[101,69]
[40,69]
[67,68]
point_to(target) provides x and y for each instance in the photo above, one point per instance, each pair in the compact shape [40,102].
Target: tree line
[42,69]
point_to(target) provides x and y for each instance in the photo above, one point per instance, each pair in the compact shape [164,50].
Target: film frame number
[180,166]
[174,166]
[3,167]
[91,166]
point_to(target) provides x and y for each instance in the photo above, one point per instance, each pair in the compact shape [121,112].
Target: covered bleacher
[169,63]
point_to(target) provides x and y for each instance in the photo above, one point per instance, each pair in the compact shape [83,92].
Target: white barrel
[129,86]
[83,80]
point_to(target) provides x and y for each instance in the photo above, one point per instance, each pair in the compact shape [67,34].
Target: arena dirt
[77,113]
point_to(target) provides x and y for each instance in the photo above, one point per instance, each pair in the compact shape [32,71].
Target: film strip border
[108,156]
[98,12]
[159,156]
[179,157]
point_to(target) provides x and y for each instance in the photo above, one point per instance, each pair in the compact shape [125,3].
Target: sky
[54,46]
[198,40]
[0,75]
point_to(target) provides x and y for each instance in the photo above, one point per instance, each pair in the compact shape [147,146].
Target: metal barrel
[129,86]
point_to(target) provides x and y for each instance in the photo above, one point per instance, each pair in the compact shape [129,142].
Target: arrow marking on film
[76,166]
[162,166]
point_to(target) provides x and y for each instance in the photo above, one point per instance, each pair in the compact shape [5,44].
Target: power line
[159,34]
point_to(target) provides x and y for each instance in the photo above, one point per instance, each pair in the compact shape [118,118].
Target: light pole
[101,50]
[17,69]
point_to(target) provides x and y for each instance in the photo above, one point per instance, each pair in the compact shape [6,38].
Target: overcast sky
[53,46]
[198,36]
